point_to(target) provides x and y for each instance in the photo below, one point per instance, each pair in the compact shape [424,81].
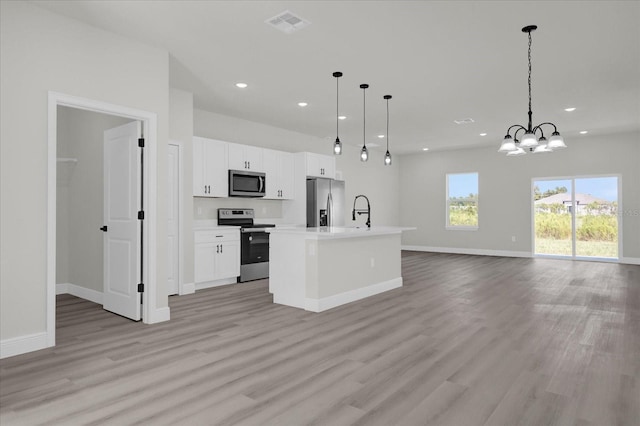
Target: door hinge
[141,288]
[141,215]
[141,142]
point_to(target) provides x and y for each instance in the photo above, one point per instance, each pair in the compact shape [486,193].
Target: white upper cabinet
[210,169]
[245,157]
[319,165]
[279,169]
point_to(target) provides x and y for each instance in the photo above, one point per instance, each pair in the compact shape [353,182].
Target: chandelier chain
[529,54]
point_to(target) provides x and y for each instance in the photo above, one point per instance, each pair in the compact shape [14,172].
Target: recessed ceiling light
[381,136]
[483,134]
[584,132]
[425,149]
[464,121]
[570,109]
[342,117]
[302,104]
[241,85]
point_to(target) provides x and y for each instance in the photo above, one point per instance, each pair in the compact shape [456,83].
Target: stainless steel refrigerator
[325,202]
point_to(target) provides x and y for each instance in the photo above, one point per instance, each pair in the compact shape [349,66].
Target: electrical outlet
[199,211]
[264,210]
[513,238]
[373,262]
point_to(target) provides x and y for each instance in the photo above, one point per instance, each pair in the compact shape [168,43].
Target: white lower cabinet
[216,257]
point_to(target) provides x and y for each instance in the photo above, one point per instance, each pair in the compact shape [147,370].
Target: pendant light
[337,145]
[364,153]
[387,156]
[529,140]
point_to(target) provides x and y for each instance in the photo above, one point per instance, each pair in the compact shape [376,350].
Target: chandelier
[530,141]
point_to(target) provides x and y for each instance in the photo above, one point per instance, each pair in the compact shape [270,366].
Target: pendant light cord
[337,111]
[387,125]
[364,116]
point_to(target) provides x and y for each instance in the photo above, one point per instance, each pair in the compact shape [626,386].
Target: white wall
[181,130]
[373,179]
[41,51]
[505,191]
[81,133]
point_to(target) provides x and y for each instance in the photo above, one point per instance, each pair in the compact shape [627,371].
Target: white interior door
[122,179]
[173,220]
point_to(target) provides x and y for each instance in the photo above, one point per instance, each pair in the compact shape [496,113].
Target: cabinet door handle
[217,248]
[249,164]
[220,248]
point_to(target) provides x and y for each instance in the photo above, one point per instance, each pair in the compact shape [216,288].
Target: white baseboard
[504,253]
[319,305]
[188,288]
[81,292]
[480,252]
[62,288]
[159,315]
[209,284]
[23,344]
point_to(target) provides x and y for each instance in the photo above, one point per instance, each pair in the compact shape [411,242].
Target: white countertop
[339,232]
[209,225]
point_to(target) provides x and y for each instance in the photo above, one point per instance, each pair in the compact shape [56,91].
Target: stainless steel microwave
[246,184]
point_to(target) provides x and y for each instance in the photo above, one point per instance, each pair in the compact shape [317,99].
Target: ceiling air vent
[464,121]
[287,22]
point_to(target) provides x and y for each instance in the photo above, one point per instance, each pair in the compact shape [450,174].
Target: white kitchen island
[320,268]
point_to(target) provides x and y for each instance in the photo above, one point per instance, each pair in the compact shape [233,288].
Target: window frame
[448,225]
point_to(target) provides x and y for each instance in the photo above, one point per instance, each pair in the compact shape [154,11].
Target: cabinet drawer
[212,236]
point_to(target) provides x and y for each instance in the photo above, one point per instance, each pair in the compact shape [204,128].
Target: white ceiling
[440,60]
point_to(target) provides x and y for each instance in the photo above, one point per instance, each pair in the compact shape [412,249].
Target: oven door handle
[250,230]
[261,190]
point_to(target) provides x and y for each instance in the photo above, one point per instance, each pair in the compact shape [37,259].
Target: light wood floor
[468,340]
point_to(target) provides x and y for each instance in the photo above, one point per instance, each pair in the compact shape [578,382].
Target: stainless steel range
[254,242]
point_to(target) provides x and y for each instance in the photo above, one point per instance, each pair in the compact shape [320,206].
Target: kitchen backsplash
[207,208]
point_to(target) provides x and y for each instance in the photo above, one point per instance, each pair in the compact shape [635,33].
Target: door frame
[573,225]
[149,121]
[180,146]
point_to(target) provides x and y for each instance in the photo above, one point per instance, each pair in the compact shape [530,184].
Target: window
[462,201]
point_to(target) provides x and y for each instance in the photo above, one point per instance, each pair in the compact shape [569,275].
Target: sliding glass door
[553,220]
[576,217]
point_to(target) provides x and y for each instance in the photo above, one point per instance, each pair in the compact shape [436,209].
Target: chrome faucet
[362,211]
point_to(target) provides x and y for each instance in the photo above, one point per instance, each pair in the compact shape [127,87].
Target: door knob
[104,228]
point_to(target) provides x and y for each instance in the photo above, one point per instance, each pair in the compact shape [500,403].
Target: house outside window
[462,201]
